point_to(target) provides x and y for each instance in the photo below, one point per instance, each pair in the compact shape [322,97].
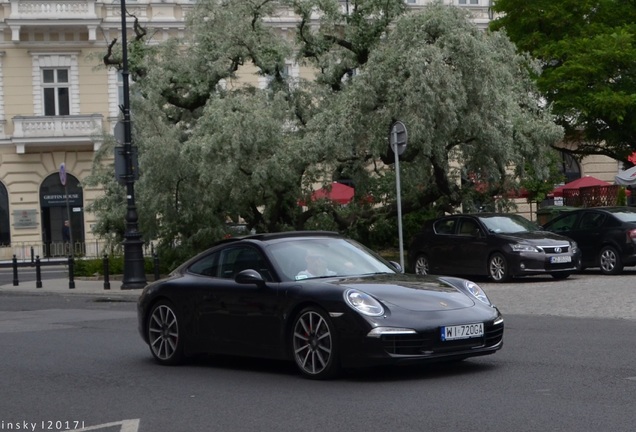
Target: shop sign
[59,199]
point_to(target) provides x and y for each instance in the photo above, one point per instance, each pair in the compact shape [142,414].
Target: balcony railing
[39,9]
[51,127]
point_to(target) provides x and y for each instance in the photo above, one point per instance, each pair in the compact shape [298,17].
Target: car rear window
[625,216]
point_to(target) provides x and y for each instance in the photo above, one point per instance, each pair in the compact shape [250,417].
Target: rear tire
[610,261]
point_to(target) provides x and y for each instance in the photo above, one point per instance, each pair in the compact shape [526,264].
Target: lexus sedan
[605,235]
[318,299]
[500,246]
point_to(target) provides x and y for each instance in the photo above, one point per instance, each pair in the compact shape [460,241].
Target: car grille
[553,249]
[429,342]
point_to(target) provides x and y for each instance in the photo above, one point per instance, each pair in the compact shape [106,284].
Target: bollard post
[106,273]
[31,255]
[156,265]
[15,271]
[71,271]
[38,273]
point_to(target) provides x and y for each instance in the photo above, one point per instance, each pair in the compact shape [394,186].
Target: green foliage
[214,152]
[621,197]
[587,50]
[95,267]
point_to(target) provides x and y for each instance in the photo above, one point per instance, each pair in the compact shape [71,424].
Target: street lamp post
[134,273]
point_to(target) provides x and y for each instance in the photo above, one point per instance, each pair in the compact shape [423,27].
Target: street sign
[398,137]
[63,174]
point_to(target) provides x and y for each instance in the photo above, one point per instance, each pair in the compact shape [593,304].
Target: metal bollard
[106,273]
[31,255]
[38,273]
[71,271]
[15,271]
[156,265]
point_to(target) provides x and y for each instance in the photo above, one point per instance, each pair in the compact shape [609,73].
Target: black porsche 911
[317,298]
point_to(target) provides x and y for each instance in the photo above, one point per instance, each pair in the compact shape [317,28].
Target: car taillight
[631,235]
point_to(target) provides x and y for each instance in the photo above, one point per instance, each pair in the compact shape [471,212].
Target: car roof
[279,235]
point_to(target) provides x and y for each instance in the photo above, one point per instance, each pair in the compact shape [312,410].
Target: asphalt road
[567,365]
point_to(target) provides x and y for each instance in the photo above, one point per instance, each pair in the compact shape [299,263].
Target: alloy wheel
[609,261]
[163,334]
[313,345]
[421,265]
[498,268]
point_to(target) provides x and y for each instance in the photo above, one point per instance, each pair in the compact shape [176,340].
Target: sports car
[318,299]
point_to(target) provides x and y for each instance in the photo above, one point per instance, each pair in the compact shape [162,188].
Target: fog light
[523,266]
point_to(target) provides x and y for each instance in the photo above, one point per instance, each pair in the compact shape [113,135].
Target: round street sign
[398,137]
[63,174]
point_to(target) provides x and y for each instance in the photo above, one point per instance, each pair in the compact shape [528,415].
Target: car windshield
[308,258]
[625,216]
[508,224]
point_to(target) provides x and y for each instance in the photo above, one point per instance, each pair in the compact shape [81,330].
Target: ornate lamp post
[134,273]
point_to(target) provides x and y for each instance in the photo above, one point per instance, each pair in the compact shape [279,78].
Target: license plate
[464,331]
[560,259]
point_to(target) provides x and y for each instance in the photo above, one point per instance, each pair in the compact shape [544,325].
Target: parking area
[585,295]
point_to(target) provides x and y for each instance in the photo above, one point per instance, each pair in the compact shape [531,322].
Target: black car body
[500,246]
[250,297]
[605,235]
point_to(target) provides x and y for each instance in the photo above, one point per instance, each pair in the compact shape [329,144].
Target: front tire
[498,269]
[610,261]
[422,266]
[314,345]
[164,337]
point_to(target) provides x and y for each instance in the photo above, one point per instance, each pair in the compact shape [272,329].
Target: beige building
[57,101]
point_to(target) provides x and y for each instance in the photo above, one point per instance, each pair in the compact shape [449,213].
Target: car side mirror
[397,266]
[249,276]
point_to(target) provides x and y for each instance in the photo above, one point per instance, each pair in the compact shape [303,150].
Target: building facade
[57,101]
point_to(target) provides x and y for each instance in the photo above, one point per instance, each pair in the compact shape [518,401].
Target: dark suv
[605,235]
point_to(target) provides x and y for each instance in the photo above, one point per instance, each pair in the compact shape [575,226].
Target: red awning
[338,192]
[577,184]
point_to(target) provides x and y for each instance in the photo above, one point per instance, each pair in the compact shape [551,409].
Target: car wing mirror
[397,266]
[249,276]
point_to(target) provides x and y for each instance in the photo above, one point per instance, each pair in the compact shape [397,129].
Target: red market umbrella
[337,192]
[577,184]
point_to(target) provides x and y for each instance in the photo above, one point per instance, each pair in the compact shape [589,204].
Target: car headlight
[520,247]
[363,303]
[477,292]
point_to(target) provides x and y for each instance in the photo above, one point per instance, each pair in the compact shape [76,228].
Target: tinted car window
[625,216]
[592,220]
[206,266]
[565,223]
[228,262]
[445,226]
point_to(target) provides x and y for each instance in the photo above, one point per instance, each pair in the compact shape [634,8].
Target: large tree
[588,54]
[213,148]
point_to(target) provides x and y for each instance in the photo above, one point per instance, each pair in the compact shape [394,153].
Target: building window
[465,2]
[55,84]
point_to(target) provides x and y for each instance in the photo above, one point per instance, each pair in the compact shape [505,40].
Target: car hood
[415,293]
[536,237]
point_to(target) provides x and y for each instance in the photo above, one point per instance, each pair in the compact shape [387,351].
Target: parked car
[500,246]
[605,235]
[315,298]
